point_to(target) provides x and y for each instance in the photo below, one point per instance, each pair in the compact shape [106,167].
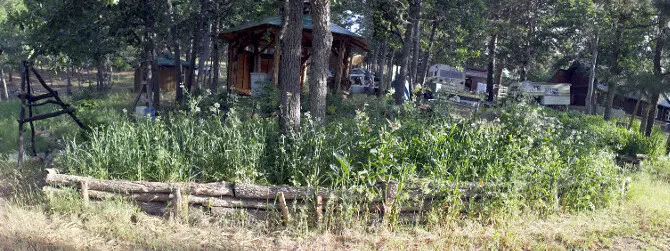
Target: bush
[543,159]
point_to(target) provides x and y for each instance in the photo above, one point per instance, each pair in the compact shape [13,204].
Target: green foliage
[9,113]
[607,134]
[659,168]
[542,160]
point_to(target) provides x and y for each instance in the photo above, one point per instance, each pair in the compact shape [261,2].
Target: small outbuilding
[578,76]
[254,52]
[167,74]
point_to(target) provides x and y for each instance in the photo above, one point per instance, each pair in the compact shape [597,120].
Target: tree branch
[640,26]
[396,31]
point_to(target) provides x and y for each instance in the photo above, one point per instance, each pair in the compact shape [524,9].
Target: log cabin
[254,53]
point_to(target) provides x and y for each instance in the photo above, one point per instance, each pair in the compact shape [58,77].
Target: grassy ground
[640,221]
[91,107]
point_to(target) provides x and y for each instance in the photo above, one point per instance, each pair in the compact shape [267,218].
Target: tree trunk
[69,77]
[527,55]
[206,51]
[205,27]
[523,72]
[592,78]
[194,53]
[390,72]
[276,58]
[416,42]
[425,61]
[177,52]
[11,77]
[110,78]
[498,76]
[339,71]
[88,75]
[493,43]
[375,52]
[615,71]
[150,50]
[318,71]
[348,60]
[381,71]
[643,115]
[637,107]
[80,77]
[100,68]
[406,55]
[215,55]
[651,113]
[289,73]
[4,84]
[611,93]
[658,71]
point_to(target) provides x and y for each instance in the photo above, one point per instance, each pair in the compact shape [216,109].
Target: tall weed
[536,158]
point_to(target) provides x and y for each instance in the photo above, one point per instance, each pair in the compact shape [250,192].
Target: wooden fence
[223,198]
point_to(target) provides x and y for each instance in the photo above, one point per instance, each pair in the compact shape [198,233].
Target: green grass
[9,113]
[640,220]
[93,110]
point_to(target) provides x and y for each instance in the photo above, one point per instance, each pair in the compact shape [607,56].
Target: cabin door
[243,78]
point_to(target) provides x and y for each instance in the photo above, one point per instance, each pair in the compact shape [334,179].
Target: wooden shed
[253,50]
[167,73]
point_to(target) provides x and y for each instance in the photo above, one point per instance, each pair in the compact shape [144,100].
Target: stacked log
[218,197]
[223,198]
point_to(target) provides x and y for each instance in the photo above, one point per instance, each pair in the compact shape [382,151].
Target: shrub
[540,159]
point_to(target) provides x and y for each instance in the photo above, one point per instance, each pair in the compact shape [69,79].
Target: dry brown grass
[642,221]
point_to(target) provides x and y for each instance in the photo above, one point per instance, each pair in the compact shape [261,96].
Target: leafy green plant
[534,158]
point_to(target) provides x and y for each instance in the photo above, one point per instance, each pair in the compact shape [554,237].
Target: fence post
[177,201]
[390,194]
[284,208]
[83,187]
[22,116]
[319,208]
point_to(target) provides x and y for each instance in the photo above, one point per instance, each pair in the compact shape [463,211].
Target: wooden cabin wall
[241,65]
[267,65]
[167,78]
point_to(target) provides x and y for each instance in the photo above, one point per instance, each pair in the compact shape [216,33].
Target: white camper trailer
[548,93]
[445,78]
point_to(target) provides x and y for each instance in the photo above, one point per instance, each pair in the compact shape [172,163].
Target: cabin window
[667,115]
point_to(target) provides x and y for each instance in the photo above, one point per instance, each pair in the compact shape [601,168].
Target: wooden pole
[83,187]
[319,208]
[340,67]
[57,98]
[22,114]
[30,114]
[277,59]
[47,115]
[177,202]
[286,218]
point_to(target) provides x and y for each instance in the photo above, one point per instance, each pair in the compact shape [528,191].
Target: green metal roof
[164,61]
[306,24]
